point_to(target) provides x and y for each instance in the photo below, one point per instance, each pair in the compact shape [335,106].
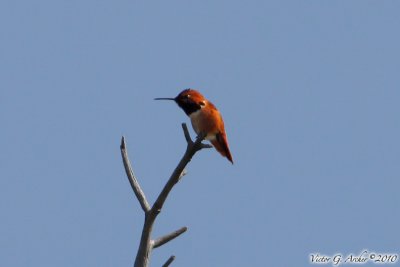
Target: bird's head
[189,100]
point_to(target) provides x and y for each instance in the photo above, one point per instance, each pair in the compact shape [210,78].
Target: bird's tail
[221,145]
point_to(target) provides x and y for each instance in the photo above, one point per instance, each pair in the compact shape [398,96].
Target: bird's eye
[187,96]
[202,103]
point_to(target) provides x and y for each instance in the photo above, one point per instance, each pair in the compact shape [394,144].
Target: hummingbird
[205,118]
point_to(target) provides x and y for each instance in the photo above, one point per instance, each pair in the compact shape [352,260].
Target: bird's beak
[164,98]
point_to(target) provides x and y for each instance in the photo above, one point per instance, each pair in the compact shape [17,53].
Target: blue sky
[309,91]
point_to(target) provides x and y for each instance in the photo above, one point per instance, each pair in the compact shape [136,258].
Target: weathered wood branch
[132,178]
[191,149]
[168,262]
[146,243]
[168,237]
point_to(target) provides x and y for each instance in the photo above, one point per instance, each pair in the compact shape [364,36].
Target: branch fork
[146,243]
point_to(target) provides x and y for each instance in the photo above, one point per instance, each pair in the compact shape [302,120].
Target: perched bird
[205,118]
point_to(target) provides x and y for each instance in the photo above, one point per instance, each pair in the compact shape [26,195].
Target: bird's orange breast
[207,120]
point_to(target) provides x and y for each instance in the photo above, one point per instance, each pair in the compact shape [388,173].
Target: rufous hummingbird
[205,118]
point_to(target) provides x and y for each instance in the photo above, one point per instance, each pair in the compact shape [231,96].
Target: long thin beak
[164,98]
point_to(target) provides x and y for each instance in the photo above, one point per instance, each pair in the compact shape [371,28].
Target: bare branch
[169,261]
[146,243]
[166,238]
[132,179]
[189,140]
[191,149]
[186,133]
[205,145]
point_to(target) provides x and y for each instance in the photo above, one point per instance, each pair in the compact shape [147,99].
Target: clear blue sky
[309,91]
